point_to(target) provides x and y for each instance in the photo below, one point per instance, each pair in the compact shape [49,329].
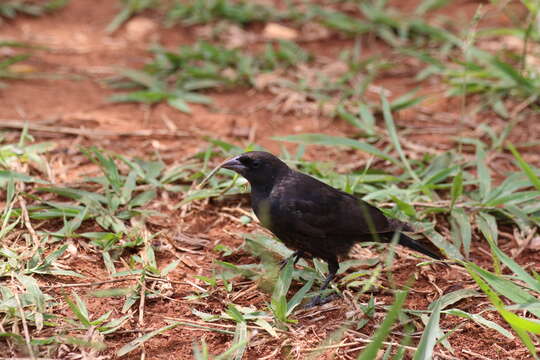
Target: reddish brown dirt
[81,55]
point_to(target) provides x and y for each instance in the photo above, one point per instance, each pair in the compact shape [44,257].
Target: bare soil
[81,56]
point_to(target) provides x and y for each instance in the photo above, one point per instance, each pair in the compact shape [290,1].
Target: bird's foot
[319,300]
[294,257]
[283,262]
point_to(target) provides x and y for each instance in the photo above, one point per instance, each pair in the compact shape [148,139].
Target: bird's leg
[333,267]
[297,255]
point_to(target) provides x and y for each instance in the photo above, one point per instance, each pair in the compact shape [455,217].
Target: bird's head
[258,167]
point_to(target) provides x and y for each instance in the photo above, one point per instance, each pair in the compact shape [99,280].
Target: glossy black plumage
[310,216]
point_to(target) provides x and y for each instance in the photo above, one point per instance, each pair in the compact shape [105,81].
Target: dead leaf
[314,32]
[140,28]
[22,69]
[265,80]
[535,243]
[279,32]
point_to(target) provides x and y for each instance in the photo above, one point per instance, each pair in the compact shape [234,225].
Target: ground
[70,92]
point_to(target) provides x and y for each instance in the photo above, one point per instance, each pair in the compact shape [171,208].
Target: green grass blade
[509,72]
[484,178]
[481,321]
[132,345]
[457,189]
[328,140]
[488,226]
[394,138]
[461,228]
[240,339]
[518,324]
[79,309]
[6,174]
[453,297]
[525,167]
[298,297]
[505,287]
[406,101]
[439,241]
[372,350]
[462,222]
[368,119]
[278,302]
[430,334]
[518,270]
[227,355]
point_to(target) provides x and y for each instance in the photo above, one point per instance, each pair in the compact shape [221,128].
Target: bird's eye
[255,164]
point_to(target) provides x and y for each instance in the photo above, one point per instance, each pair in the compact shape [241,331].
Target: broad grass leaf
[142,78]
[505,287]
[132,345]
[143,198]
[439,241]
[329,140]
[269,243]
[368,120]
[78,307]
[278,302]
[453,297]
[267,327]
[508,72]
[523,275]
[535,180]
[430,334]
[298,297]
[394,138]
[7,174]
[407,208]
[488,226]
[518,324]
[460,220]
[74,194]
[372,350]
[514,199]
[457,188]
[481,320]
[179,104]
[484,177]
[405,101]
[240,340]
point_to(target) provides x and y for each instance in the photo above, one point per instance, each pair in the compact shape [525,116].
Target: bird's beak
[235,165]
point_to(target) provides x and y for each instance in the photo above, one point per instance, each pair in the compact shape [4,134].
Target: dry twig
[25,325]
[91,133]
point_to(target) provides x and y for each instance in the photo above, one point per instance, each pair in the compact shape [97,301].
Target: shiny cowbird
[311,217]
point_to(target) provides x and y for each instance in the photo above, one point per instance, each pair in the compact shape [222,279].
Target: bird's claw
[319,300]
[294,257]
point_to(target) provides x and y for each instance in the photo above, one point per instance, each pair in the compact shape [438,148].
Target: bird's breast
[263,208]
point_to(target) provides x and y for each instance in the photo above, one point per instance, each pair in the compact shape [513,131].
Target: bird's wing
[322,211]
[306,217]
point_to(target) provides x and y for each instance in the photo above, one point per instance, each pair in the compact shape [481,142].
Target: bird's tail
[410,243]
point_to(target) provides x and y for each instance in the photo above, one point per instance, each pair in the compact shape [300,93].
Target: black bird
[311,217]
